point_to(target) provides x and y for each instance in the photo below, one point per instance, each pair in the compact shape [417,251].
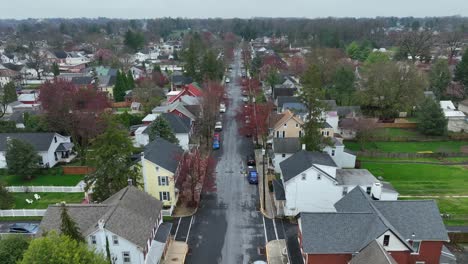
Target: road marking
[190,226]
[177,229]
[274,226]
[264,229]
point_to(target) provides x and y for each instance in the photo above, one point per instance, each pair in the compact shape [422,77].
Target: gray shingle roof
[278,188]
[129,213]
[164,154]
[302,161]
[346,110]
[40,141]
[164,230]
[286,145]
[287,99]
[179,124]
[373,253]
[360,177]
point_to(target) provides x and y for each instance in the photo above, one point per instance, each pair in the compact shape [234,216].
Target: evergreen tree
[461,71]
[431,118]
[21,158]
[68,226]
[7,200]
[55,69]
[157,68]
[112,159]
[343,85]
[311,95]
[439,77]
[120,87]
[12,248]
[130,80]
[160,128]
[9,93]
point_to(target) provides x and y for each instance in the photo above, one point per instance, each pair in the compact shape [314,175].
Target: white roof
[173,93]
[140,130]
[30,97]
[150,118]
[451,113]
[447,105]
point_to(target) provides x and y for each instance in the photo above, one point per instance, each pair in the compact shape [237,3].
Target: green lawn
[409,147]
[43,180]
[46,199]
[123,109]
[435,160]
[457,208]
[422,179]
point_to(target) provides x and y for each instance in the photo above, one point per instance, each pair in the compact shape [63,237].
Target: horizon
[242,9]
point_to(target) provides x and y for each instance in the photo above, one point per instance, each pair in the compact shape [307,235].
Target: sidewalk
[176,252]
[267,209]
[275,250]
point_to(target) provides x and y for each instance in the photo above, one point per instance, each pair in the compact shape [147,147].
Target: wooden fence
[121,104]
[22,212]
[396,125]
[458,237]
[64,189]
[77,169]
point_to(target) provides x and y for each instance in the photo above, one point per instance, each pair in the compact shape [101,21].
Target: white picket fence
[65,189]
[23,212]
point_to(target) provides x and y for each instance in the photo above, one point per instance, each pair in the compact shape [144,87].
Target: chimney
[101,223]
[303,146]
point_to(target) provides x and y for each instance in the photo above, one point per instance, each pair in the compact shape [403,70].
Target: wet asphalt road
[228,227]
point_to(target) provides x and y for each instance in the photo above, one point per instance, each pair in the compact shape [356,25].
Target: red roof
[190,90]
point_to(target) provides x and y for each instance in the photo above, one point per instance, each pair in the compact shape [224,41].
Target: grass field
[434,160]
[43,180]
[409,147]
[422,179]
[457,208]
[46,199]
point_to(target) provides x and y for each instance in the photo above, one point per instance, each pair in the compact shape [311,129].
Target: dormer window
[416,245]
[386,240]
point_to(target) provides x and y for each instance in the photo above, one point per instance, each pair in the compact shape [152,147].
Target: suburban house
[457,121]
[51,147]
[282,149]
[463,106]
[178,80]
[313,182]
[363,230]
[6,75]
[130,222]
[160,163]
[287,125]
[177,108]
[341,156]
[190,90]
[181,127]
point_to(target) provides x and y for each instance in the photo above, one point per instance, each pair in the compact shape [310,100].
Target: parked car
[222,108]
[252,175]
[218,126]
[245,99]
[228,80]
[250,160]
[24,228]
[217,136]
[216,144]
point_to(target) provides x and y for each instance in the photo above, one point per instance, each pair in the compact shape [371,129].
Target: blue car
[24,228]
[215,144]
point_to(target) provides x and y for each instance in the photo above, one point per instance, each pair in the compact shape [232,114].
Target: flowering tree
[254,120]
[212,96]
[196,174]
[73,111]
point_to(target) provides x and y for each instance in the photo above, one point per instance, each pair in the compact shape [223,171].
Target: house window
[277,134]
[303,176]
[328,133]
[333,152]
[164,196]
[284,134]
[345,190]
[323,133]
[386,240]
[300,133]
[285,125]
[115,240]
[93,240]
[283,155]
[368,190]
[163,180]
[416,245]
[319,177]
[55,139]
[297,125]
[157,168]
[126,257]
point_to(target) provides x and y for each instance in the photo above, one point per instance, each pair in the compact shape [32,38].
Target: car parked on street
[250,160]
[216,144]
[23,228]
[218,126]
[252,175]
[222,108]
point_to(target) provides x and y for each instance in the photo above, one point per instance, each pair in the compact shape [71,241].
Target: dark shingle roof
[164,154]
[278,188]
[286,145]
[287,99]
[283,92]
[40,141]
[129,213]
[373,253]
[302,161]
[164,230]
[179,124]
[60,54]
[82,80]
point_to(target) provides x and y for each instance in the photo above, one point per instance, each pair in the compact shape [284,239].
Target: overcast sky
[229,8]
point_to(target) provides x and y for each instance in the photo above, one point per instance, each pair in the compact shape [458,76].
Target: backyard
[456,208]
[45,200]
[43,180]
[409,147]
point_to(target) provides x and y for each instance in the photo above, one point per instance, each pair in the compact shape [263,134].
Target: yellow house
[160,163]
[288,126]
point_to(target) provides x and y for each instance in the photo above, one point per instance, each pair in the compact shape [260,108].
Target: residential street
[228,227]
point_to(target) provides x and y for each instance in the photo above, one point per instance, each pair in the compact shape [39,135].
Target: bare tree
[453,40]
[37,61]
[416,44]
